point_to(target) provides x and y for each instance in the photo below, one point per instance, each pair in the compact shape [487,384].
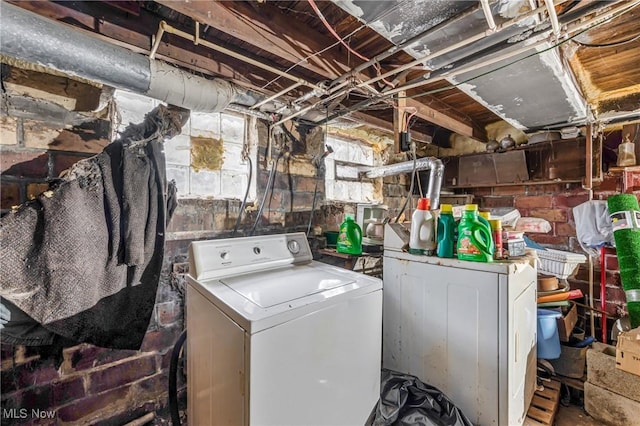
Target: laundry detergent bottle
[446,231]
[475,241]
[422,238]
[349,237]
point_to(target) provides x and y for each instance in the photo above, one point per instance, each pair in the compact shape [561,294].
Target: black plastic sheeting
[405,400]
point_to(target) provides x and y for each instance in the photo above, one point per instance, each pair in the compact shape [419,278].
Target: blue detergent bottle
[446,231]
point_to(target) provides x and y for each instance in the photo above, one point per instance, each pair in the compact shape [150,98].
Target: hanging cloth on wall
[84,259]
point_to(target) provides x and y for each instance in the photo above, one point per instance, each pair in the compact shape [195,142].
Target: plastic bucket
[548,340]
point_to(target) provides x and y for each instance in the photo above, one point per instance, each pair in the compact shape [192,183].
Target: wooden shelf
[628,169]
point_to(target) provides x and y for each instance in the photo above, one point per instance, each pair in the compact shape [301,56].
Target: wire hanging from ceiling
[611,44]
[335,34]
[382,97]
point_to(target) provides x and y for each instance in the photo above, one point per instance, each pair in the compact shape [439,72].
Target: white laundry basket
[559,263]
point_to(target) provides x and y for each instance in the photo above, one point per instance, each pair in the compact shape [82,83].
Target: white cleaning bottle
[422,239]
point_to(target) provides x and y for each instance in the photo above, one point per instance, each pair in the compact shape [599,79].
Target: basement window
[205,160]
[342,182]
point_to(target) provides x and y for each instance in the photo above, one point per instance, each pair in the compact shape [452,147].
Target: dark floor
[574,415]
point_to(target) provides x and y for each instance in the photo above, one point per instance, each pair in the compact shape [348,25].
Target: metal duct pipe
[34,39]
[434,165]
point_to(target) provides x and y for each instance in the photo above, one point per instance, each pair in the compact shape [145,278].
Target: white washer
[275,338]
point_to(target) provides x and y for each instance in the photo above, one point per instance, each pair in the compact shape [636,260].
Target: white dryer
[275,338]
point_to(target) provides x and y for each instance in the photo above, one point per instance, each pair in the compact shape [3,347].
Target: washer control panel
[218,258]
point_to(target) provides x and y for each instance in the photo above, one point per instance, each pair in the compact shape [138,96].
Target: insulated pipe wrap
[171,85]
[41,41]
[34,39]
[426,163]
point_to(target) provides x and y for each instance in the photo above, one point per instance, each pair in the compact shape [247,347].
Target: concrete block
[340,149]
[340,190]
[181,175]
[368,192]
[205,125]
[205,183]
[232,128]
[330,168]
[355,191]
[232,159]
[343,171]
[132,107]
[610,408]
[361,154]
[177,150]
[602,371]
[233,184]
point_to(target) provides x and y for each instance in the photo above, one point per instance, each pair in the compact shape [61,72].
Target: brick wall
[91,385]
[100,386]
[553,202]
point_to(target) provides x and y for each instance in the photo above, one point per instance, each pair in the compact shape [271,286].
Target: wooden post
[398,119]
[633,130]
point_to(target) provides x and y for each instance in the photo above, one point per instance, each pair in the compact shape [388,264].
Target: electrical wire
[273,182]
[244,200]
[269,183]
[173,378]
[313,207]
[313,55]
[413,177]
[328,26]
[366,104]
[315,188]
[611,44]
[419,185]
[536,53]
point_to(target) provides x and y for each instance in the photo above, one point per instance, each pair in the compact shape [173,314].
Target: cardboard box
[628,351]
[566,323]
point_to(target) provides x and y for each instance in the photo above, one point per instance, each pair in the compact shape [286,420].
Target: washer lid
[271,288]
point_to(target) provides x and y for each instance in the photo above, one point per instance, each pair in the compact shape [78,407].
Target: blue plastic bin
[548,339]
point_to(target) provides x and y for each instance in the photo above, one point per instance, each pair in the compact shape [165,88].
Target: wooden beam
[268,30]
[464,127]
[399,119]
[387,126]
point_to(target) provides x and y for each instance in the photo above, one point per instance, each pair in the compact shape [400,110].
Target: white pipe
[426,163]
[488,15]
[541,39]
[277,95]
[418,61]
[156,42]
[455,46]
[553,17]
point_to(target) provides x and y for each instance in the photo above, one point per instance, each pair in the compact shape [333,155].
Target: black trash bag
[405,400]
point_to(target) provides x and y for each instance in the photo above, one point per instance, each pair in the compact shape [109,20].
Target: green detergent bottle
[475,240]
[349,237]
[446,231]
